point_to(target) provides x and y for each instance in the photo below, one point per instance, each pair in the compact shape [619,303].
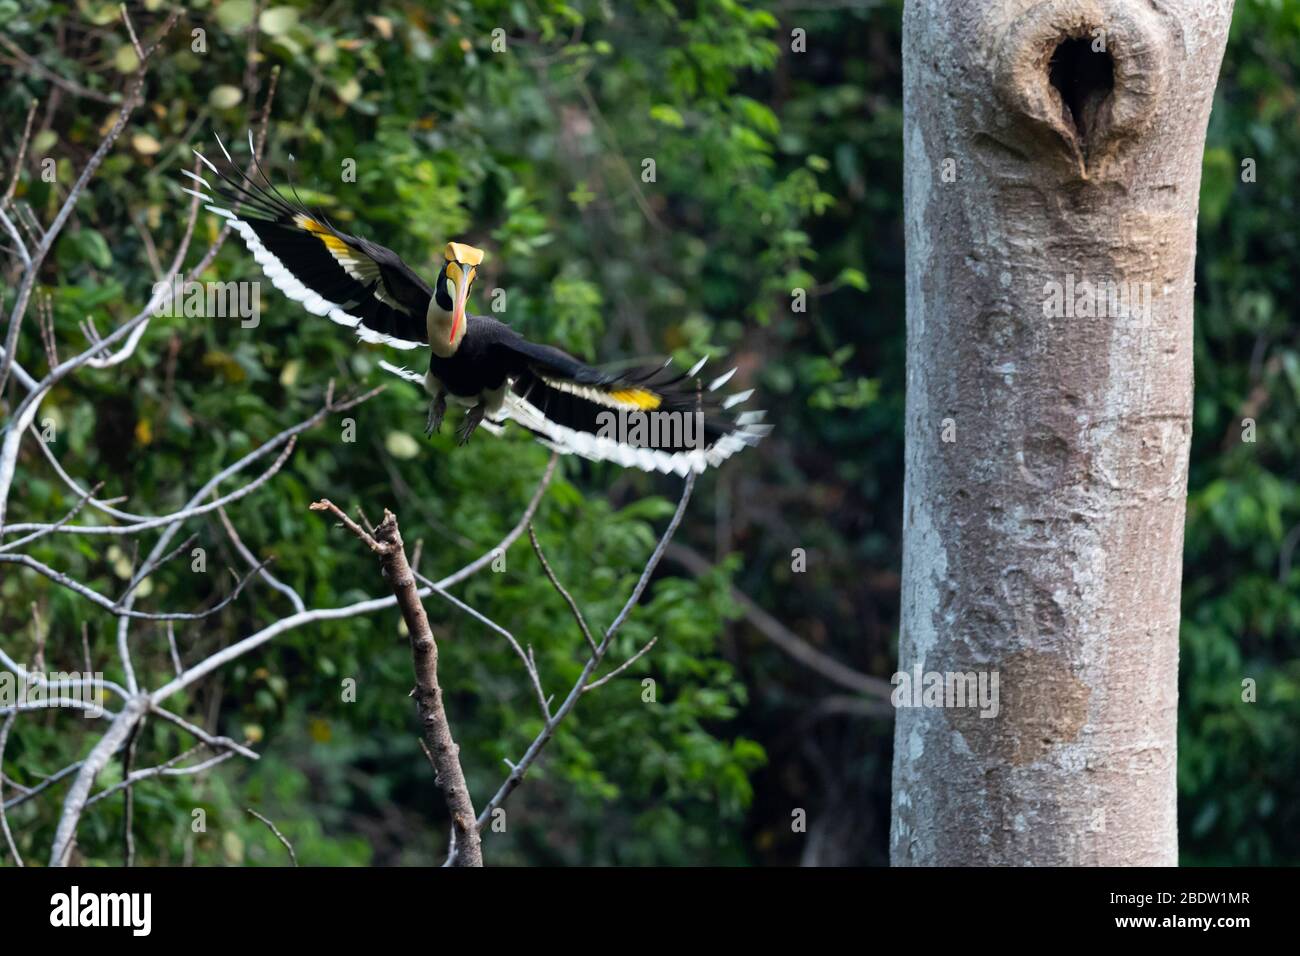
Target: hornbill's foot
[437,409]
[472,419]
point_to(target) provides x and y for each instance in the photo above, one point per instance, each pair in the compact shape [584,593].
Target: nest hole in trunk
[1085,79]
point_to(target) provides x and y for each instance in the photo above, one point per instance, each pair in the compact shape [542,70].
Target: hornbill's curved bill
[656,419]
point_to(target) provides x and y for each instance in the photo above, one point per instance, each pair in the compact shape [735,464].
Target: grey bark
[1043,538]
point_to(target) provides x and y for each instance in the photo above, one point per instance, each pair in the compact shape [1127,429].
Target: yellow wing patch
[332,242]
[637,398]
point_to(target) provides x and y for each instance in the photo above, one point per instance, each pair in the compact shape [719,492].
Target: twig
[278,835]
[148,524]
[4,819]
[35,66]
[512,536]
[35,677]
[255,640]
[20,247]
[166,769]
[128,760]
[120,609]
[529,664]
[50,529]
[212,740]
[621,667]
[573,605]
[44,785]
[135,42]
[57,703]
[520,768]
[22,154]
[175,652]
[264,574]
[106,144]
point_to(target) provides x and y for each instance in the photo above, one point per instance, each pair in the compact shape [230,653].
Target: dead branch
[387,544]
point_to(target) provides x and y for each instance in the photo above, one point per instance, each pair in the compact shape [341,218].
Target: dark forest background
[777,168]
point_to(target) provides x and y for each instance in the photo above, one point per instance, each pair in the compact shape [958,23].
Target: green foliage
[771,171]
[534,153]
[1239,792]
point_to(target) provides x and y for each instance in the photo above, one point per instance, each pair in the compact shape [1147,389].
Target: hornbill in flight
[477,362]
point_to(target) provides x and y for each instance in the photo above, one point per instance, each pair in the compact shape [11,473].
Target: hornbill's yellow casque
[477,361]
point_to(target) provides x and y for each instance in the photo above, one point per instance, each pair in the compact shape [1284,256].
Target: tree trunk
[1053,158]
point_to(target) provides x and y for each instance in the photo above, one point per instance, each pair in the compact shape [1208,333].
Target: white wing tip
[206,162]
[721,380]
[225,152]
[740,397]
[402,372]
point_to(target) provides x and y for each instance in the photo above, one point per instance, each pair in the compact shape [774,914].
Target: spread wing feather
[655,418]
[353,281]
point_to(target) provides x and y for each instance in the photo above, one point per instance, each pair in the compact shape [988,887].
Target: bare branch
[518,770]
[294,598]
[26,411]
[45,784]
[75,800]
[135,41]
[171,647]
[278,835]
[19,246]
[330,405]
[529,664]
[445,754]
[475,566]
[128,761]
[120,609]
[4,820]
[234,651]
[166,769]
[573,605]
[35,66]
[193,511]
[33,677]
[366,537]
[212,740]
[622,667]
[22,155]
[50,529]
[106,144]
[57,703]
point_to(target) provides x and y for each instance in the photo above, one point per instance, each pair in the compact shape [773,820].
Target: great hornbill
[655,418]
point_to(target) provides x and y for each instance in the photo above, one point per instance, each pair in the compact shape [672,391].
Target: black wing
[655,418]
[353,281]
